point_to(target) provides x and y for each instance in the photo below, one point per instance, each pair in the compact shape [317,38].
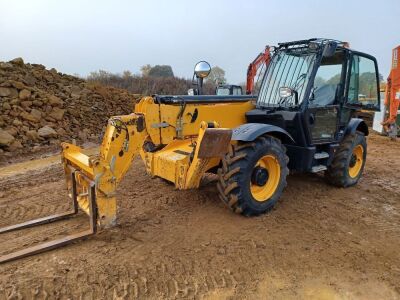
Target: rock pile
[40,107]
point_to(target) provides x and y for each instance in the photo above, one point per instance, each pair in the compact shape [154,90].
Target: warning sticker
[395,58]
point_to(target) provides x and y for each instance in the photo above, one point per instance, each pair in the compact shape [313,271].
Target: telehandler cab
[302,120]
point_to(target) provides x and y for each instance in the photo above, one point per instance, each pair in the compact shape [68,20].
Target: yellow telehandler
[301,120]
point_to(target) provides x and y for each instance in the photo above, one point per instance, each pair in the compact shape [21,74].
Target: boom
[172,141]
[262,58]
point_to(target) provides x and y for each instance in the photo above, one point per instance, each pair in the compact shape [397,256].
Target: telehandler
[302,120]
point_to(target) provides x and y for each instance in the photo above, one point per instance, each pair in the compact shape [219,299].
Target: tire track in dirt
[185,244]
[42,200]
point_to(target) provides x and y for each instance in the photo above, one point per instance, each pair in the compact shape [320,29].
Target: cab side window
[363,86]
[327,80]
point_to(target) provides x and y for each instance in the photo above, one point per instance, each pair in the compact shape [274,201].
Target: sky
[78,37]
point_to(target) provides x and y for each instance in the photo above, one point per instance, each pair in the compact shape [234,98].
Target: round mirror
[202,69]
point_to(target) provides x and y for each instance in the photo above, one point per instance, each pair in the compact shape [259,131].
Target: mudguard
[250,131]
[357,124]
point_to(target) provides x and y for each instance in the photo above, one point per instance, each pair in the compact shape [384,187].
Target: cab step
[321,155]
[318,168]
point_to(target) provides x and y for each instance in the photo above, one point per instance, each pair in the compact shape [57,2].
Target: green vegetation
[146,83]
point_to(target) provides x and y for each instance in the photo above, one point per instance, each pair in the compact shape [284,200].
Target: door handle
[311,119]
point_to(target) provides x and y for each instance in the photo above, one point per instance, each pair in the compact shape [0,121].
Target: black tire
[338,172]
[237,175]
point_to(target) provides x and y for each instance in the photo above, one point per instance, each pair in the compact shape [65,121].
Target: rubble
[40,107]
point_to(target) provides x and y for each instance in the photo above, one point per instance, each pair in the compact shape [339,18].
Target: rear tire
[349,161]
[253,176]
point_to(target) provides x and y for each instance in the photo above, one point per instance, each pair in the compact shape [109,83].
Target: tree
[217,76]
[161,71]
[319,81]
[145,70]
[126,74]
[335,79]
[367,84]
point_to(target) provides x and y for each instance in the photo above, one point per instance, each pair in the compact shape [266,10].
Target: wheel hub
[259,176]
[356,161]
[353,161]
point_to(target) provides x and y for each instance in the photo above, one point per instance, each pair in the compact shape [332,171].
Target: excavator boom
[262,58]
[392,95]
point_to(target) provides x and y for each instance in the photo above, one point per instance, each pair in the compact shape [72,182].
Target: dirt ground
[319,242]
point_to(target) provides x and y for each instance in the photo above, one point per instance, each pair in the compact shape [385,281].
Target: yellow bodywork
[177,142]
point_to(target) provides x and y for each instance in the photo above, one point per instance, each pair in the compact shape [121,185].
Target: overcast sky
[82,36]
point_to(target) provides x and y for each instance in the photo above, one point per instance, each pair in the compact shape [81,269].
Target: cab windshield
[288,68]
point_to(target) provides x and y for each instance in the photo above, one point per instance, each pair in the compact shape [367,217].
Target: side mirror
[285,92]
[202,69]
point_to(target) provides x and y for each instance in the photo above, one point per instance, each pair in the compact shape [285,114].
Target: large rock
[24,94]
[15,145]
[13,131]
[5,138]
[18,85]
[8,92]
[6,106]
[35,117]
[5,92]
[26,104]
[47,132]
[57,113]
[15,102]
[75,92]
[29,79]
[17,122]
[36,114]
[37,103]
[17,61]
[61,131]
[32,135]
[55,101]
[6,66]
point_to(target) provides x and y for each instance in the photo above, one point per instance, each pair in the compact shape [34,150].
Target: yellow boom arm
[171,142]
[122,140]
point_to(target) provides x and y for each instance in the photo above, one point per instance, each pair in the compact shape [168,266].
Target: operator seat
[325,95]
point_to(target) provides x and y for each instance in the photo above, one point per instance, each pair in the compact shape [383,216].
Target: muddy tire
[253,175]
[349,161]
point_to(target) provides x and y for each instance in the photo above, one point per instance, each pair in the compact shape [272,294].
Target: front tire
[253,176]
[349,161]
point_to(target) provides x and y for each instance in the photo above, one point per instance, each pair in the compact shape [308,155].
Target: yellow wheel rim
[356,161]
[262,192]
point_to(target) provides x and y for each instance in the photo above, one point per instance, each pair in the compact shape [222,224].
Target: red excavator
[262,60]
[392,97]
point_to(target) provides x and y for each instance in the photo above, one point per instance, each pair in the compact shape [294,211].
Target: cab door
[363,83]
[326,95]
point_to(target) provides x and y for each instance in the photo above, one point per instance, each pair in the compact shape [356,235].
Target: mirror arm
[200,85]
[296,97]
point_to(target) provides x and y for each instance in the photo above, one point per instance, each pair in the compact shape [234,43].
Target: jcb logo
[395,58]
